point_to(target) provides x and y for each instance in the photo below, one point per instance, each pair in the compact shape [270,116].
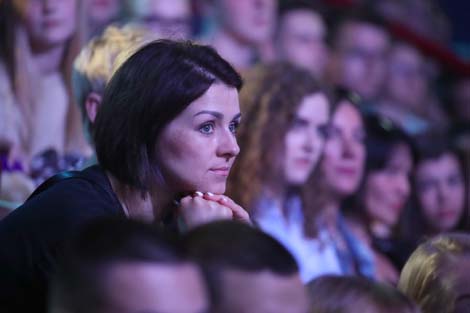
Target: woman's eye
[233,127]
[207,128]
[324,131]
[426,185]
[360,136]
[454,180]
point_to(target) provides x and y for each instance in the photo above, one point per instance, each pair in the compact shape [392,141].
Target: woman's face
[440,191]
[197,149]
[252,21]
[301,40]
[305,138]
[103,11]
[344,153]
[48,23]
[407,79]
[165,18]
[387,190]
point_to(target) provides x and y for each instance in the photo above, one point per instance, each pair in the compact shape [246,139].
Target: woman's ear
[92,105]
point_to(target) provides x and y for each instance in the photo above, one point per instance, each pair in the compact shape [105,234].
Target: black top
[396,250]
[32,236]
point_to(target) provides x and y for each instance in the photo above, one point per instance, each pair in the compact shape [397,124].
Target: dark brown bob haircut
[147,92]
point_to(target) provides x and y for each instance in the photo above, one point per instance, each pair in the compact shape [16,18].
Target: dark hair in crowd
[294,5]
[339,19]
[77,285]
[228,245]
[433,146]
[148,91]
[383,136]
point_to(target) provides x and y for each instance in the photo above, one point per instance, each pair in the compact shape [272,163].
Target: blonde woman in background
[334,294]
[38,42]
[437,274]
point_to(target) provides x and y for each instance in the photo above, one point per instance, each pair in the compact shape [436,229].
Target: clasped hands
[201,208]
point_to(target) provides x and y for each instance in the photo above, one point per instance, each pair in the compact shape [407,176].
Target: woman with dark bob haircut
[165,142]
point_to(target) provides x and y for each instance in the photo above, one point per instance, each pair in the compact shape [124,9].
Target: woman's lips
[304,162]
[223,171]
[446,214]
[51,23]
[345,170]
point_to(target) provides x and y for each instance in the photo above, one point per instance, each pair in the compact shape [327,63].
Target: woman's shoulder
[68,199]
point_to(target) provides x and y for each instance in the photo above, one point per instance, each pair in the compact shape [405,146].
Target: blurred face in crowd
[388,189]
[344,154]
[48,23]
[407,79]
[149,287]
[440,191]
[360,58]
[301,40]
[103,11]
[305,138]
[261,292]
[197,149]
[250,21]
[165,18]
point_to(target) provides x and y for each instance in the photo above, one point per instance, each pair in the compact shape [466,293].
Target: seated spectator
[35,62]
[281,138]
[436,276]
[119,265]
[440,191]
[101,14]
[165,142]
[97,61]
[425,18]
[243,28]
[340,173]
[359,46]
[247,270]
[407,97]
[333,294]
[169,19]
[300,37]
[375,210]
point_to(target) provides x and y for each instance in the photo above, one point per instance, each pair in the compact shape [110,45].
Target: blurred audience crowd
[353,160]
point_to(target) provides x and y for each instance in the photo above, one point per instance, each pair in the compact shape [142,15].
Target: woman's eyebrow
[213,113]
[237,116]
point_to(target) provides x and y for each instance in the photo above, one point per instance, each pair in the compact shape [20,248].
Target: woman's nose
[228,146]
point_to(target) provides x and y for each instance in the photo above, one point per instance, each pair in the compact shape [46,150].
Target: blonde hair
[100,58]
[353,294]
[429,276]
